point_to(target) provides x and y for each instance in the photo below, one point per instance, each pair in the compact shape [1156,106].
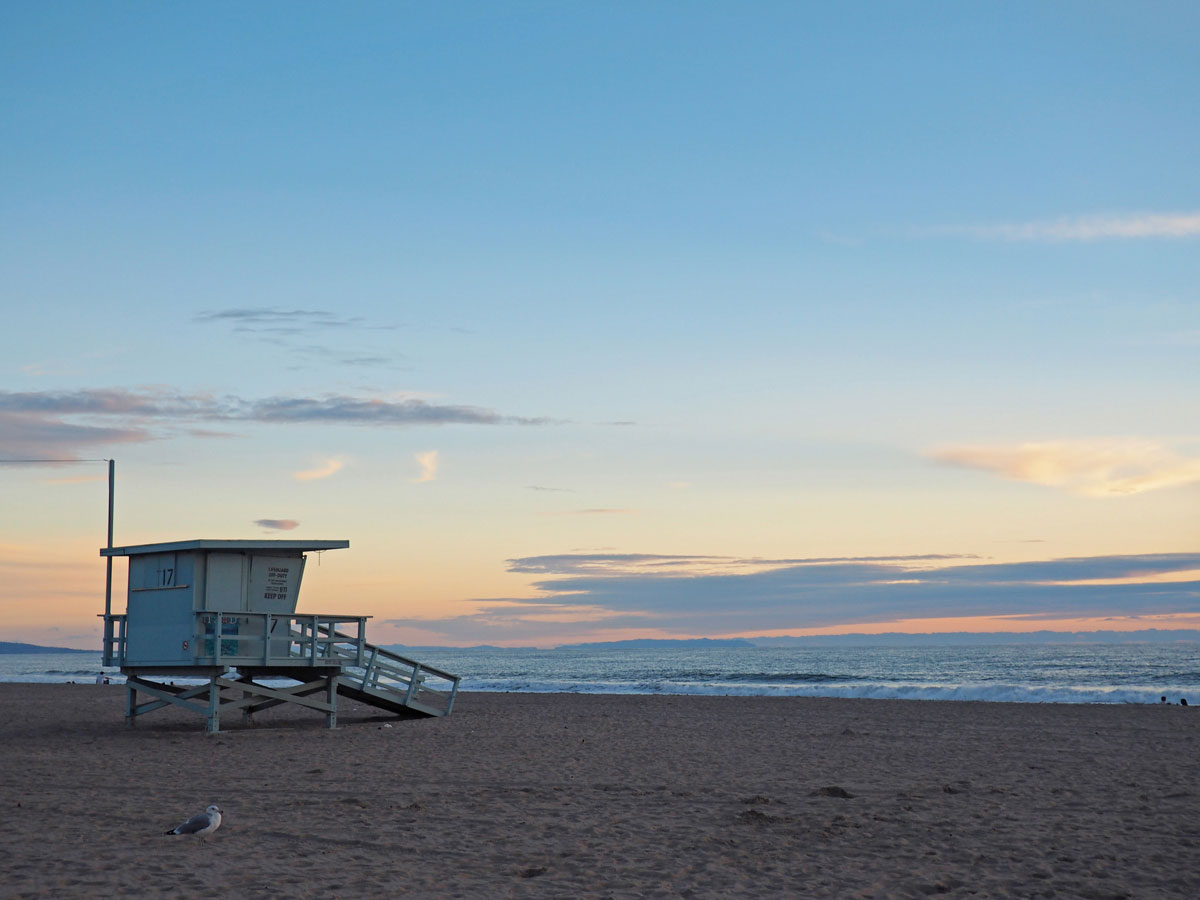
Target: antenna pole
[108,575]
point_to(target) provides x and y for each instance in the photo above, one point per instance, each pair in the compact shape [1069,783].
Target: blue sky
[489,282]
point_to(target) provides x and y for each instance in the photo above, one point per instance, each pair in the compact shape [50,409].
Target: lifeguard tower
[200,609]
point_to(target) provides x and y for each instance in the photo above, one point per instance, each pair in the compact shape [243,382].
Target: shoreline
[604,795]
[1013,675]
[1032,674]
[1173,697]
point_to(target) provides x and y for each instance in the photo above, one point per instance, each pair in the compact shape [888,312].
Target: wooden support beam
[214,703]
[167,694]
[267,704]
[297,694]
[248,696]
[331,717]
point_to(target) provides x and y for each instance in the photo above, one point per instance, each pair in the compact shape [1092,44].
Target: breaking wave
[859,689]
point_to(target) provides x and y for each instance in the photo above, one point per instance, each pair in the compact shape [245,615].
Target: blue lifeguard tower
[225,611]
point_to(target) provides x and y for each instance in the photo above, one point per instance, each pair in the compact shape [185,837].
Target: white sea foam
[1002,693]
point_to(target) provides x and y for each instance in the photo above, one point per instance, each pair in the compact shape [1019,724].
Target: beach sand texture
[528,795]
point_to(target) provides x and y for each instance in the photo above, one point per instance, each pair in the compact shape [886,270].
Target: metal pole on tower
[108,575]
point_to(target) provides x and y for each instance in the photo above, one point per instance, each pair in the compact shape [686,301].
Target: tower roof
[208,544]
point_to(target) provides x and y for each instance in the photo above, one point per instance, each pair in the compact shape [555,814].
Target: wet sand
[525,795]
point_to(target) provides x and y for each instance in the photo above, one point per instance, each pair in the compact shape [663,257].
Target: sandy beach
[527,795]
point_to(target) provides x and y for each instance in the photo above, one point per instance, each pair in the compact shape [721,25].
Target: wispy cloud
[428,463]
[277,524]
[1101,468]
[324,470]
[717,595]
[1088,228]
[277,320]
[304,354]
[36,434]
[296,330]
[613,564]
[62,422]
[372,411]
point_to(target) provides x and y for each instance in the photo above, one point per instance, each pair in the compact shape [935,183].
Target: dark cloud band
[637,591]
[41,422]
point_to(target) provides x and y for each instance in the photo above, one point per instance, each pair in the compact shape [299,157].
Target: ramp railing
[389,676]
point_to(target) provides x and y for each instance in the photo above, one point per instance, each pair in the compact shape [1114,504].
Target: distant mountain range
[890,639]
[988,638]
[640,644]
[411,649]
[663,644]
[14,647]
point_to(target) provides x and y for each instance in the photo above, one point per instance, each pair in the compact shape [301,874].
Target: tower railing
[277,639]
[113,649]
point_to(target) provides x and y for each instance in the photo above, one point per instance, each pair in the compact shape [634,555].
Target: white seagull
[201,824]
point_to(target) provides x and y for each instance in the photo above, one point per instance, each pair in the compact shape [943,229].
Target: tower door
[225,584]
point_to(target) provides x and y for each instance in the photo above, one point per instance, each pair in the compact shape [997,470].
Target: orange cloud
[329,467]
[1103,468]
[428,462]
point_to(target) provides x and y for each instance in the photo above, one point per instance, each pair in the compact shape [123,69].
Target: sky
[599,321]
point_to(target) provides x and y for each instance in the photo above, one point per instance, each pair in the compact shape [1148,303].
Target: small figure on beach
[1162,699]
[1183,701]
[202,824]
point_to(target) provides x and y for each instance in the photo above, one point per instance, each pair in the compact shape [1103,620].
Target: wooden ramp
[396,683]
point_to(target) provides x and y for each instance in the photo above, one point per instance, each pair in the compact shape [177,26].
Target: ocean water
[1046,673]
[54,667]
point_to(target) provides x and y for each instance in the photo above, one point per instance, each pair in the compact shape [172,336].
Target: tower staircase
[381,678]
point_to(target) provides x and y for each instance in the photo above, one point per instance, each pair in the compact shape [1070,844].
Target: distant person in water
[1162,699]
